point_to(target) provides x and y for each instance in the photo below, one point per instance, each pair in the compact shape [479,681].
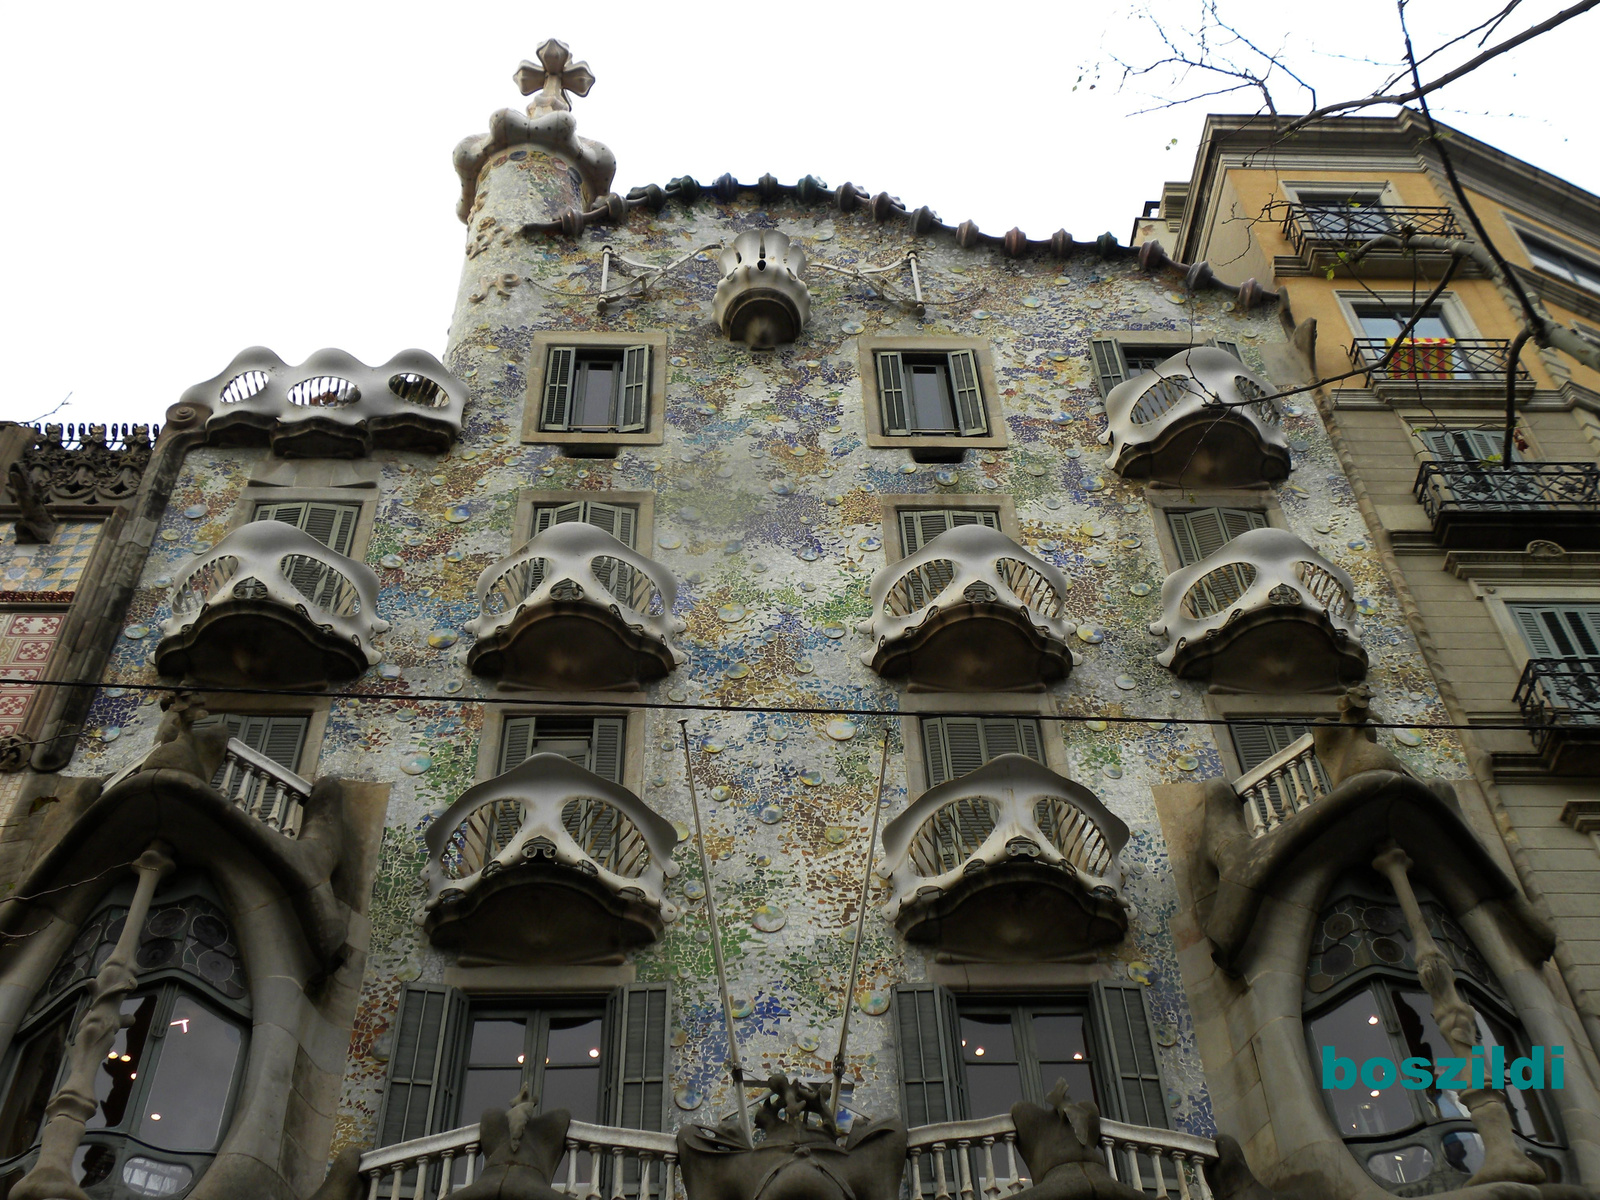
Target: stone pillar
[69,1110]
[1503,1162]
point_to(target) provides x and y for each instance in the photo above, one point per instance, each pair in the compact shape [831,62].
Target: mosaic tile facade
[55,566]
[767,511]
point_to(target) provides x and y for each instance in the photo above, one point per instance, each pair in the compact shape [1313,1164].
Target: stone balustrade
[1287,783]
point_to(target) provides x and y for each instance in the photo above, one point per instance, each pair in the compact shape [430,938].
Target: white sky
[184,180]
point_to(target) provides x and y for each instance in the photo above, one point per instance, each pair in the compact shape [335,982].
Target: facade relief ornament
[82,464]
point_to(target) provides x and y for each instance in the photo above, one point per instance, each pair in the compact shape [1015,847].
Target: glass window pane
[32,1085]
[1388,322]
[1403,1164]
[576,1089]
[987,1037]
[1080,1080]
[498,1042]
[1423,1040]
[193,1079]
[931,409]
[597,382]
[1354,1031]
[993,1089]
[485,1088]
[573,1041]
[1059,1037]
[117,1077]
[1527,1110]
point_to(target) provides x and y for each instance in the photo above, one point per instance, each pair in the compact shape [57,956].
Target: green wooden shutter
[1241,520]
[1109,364]
[892,393]
[1465,445]
[546,515]
[1229,345]
[279,738]
[557,409]
[638,1029]
[616,519]
[974,516]
[1128,1048]
[635,389]
[919,526]
[934,755]
[1199,533]
[515,742]
[1559,630]
[970,417]
[963,739]
[334,525]
[424,1058]
[1032,742]
[606,747]
[1001,735]
[1253,743]
[928,1042]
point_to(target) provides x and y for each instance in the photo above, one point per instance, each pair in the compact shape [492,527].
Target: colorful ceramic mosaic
[767,513]
[26,642]
[55,566]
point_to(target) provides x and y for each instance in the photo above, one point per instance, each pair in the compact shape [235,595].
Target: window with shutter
[919,526]
[596,389]
[558,371]
[956,746]
[1466,445]
[619,520]
[892,392]
[1200,532]
[931,394]
[1255,742]
[595,743]
[1228,345]
[280,738]
[334,525]
[928,1049]
[1109,364]
[638,1025]
[1558,630]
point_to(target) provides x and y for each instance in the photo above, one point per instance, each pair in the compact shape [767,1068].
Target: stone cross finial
[553,76]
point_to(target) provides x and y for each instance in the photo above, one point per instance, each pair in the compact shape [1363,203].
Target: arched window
[1363,1000]
[166,1090]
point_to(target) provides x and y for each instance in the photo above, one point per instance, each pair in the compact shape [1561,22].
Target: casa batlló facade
[929,676]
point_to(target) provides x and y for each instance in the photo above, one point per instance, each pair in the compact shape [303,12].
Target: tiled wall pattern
[27,640]
[54,567]
[767,513]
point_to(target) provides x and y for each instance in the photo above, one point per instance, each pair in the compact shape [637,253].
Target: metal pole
[861,921]
[735,1068]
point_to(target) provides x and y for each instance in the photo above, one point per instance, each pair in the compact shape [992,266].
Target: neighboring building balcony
[1322,237]
[1200,419]
[1490,506]
[1008,863]
[332,405]
[1438,366]
[1560,698]
[271,606]
[970,611]
[548,863]
[575,609]
[953,1160]
[1265,613]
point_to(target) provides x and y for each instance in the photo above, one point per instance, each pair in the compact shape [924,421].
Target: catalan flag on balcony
[1422,358]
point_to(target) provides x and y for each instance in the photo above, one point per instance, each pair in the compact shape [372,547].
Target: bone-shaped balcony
[575,608]
[1200,419]
[1265,613]
[270,605]
[970,611]
[332,405]
[1009,863]
[548,863]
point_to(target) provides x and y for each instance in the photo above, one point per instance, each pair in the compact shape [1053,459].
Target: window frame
[542,1007]
[1162,499]
[1451,308]
[254,495]
[510,719]
[868,349]
[1499,597]
[588,442]
[633,746]
[1164,342]
[314,709]
[915,706]
[1307,707]
[531,499]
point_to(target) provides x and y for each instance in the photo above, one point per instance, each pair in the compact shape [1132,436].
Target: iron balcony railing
[1318,226]
[1425,359]
[1557,693]
[1521,486]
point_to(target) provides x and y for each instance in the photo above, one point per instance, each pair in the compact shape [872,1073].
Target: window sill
[942,448]
[589,443]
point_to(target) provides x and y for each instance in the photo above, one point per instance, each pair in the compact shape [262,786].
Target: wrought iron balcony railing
[1431,360]
[1560,693]
[1517,486]
[1011,826]
[1311,226]
[971,609]
[549,822]
[270,603]
[1264,613]
[575,608]
[1201,418]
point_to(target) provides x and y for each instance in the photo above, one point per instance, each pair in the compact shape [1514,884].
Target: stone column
[69,1110]
[1503,1162]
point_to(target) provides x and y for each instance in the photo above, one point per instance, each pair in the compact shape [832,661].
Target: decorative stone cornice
[85,464]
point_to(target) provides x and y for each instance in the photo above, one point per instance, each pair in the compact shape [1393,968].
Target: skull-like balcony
[575,609]
[970,611]
[332,405]
[548,863]
[270,606]
[1265,613]
[1200,419]
[1009,863]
